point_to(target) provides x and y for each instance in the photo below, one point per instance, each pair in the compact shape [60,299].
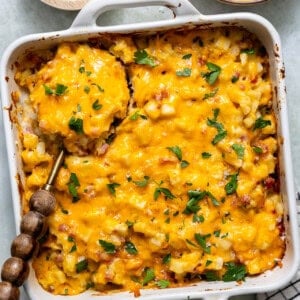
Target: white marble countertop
[22,17]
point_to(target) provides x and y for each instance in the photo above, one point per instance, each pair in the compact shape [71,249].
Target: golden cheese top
[185,184]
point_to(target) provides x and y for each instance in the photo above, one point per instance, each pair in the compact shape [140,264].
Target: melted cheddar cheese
[171,169]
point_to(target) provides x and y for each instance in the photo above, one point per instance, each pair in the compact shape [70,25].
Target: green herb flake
[87,89]
[48,90]
[220,128]
[81,266]
[81,69]
[249,51]
[184,164]
[208,262]
[100,89]
[187,56]
[60,89]
[234,272]
[231,186]
[89,285]
[201,240]
[64,211]
[211,275]
[212,76]
[108,247]
[217,233]
[261,123]
[166,192]
[137,115]
[73,184]
[141,57]
[211,94]
[149,276]
[112,187]
[205,155]
[142,183]
[130,248]
[166,259]
[186,72]
[194,197]
[234,79]
[73,249]
[198,218]
[76,124]
[239,150]
[129,223]
[162,284]
[71,239]
[257,150]
[177,151]
[96,105]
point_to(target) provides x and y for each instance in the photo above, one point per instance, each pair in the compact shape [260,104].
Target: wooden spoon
[66,4]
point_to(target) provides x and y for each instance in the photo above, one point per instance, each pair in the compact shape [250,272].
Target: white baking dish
[84,27]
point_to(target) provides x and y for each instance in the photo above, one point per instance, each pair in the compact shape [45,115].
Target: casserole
[185,12]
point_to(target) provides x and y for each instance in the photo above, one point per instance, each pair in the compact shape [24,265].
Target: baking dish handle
[89,14]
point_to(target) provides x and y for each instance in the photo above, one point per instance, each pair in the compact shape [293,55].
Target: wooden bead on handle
[34,224]
[8,291]
[43,202]
[15,270]
[23,246]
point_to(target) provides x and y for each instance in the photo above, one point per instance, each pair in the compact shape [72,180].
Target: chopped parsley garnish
[239,150]
[81,69]
[73,184]
[129,223]
[108,247]
[261,123]
[166,259]
[234,272]
[48,90]
[64,211]
[130,248]
[187,56]
[198,218]
[212,76]
[137,115]
[87,89]
[162,284]
[231,186]
[112,187]
[249,51]
[184,164]
[178,153]
[213,199]
[194,197]
[217,233]
[81,266]
[234,79]
[186,72]
[211,275]
[220,128]
[166,192]
[60,89]
[201,240]
[96,105]
[211,94]
[142,183]
[100,89]
[76,124]
[74,248]
[208,262]
[205,155]
[149,276]
[141,57]
[257,150]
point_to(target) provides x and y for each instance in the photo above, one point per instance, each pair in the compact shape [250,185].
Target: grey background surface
[22,17]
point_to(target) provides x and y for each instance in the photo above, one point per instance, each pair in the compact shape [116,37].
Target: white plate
[66,4]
